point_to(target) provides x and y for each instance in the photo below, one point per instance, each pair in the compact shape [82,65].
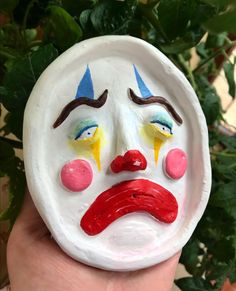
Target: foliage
[33,33]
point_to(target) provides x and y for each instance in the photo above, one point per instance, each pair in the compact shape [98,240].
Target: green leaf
[229,142]
[219,3]
[223,22]
[30,34]
[7,158]
[19,81]
[17,185]
[215,225]
[8,5]
[229,74]
[213,137]
[86,23]
[223,250]
[37,10]
[193,284]
[179,12]
[6,154]
[113,17]
[14,143]
[194,31]
[218,272]
[211,107]
[13,120]
[225,198]
[180,44]
[225,168]
[216,40]
[202,13]
[210,100]
[201,50]
[12,166]
[85,18]
[232,275]
[75,7]
[189,257]
[61,28]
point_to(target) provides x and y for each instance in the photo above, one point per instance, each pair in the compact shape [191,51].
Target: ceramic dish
[116,153]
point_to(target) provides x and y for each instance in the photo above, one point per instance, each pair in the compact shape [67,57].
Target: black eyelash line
[156,99]
[96,103]
[162,123]
[84,129]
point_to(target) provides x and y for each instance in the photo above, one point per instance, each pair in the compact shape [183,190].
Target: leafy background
[33,33]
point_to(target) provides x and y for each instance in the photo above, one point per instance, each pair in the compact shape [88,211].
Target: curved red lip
[126,197]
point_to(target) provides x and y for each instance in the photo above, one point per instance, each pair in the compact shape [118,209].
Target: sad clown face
[116,153]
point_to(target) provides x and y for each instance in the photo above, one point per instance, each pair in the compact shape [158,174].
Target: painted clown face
[116,153]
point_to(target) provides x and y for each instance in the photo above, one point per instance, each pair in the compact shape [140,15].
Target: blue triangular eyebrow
[85,88]
[145,92]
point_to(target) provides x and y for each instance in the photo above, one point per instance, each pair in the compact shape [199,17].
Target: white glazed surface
[136,240]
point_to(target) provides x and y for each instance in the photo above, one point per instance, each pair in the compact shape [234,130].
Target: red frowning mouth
[127,197]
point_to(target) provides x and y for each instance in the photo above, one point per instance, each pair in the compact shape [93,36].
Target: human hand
[36,262]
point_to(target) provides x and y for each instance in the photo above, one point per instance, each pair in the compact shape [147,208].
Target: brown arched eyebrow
[96,103]
[156,99]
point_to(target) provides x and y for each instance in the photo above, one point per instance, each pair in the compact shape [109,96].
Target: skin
[35,262]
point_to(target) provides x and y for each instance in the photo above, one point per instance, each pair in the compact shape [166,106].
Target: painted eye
[163,127]
[86,132]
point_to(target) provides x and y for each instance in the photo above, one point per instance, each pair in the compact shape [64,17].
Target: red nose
[131,161]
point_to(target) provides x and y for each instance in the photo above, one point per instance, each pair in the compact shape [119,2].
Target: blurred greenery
[33,33]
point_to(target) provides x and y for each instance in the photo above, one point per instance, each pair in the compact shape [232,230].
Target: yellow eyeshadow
[157,145]
[154,136]
[89,146]
[154,131]
[96,153]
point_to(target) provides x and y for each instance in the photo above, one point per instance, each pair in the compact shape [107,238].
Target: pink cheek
[175,163]
[76,175]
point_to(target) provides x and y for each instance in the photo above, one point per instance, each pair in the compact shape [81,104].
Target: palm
[35,262]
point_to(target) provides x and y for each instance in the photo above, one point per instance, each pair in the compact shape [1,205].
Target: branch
[188,70]
[6,54]
[16,144]
[223,154]
[28,8]
[147,12]
[213,56]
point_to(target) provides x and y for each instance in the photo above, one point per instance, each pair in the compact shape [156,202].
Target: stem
[35,43]
[215,54]
[188,70]
[232,166]
[16,144]
[228,40]
[227,108]
[148,13]
[224,154]
[152,3]
[6,54]
[28,8]
[226,56]
[174,61]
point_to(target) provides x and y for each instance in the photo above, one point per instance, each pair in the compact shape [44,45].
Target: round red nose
[131,161]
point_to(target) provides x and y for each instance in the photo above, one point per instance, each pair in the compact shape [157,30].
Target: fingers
[164,273]
[28,211]
[29,224]
[159,277]
[170,263]
[168,267]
